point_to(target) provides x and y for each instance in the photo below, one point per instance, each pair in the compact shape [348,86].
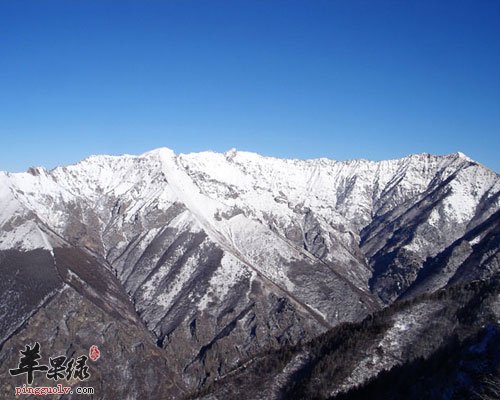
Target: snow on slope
[16,231]
[226,192]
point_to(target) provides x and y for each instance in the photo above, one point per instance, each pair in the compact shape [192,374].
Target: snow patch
[226,276]
[25,237]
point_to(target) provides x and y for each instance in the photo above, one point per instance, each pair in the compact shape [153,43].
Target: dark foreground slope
[68,302]
[465,369]
[443,345]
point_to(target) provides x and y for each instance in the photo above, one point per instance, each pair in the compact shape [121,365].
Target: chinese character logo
[60,367]
[28,362]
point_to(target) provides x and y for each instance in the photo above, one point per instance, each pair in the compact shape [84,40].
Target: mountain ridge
[219,256]
[233,151]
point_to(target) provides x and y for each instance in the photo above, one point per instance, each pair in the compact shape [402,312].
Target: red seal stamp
[94,353]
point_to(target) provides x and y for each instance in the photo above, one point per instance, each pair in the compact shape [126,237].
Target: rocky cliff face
[442,345]
[203,261]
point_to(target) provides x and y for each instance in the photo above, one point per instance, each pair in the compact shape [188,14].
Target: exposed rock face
[84,306]
[435,346]
[203,261]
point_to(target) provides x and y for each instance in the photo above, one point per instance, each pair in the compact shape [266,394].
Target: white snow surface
[245,188]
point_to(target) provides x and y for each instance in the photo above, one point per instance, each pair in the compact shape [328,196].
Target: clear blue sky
[340,79]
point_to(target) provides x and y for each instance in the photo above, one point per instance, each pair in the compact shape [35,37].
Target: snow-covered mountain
[215,257]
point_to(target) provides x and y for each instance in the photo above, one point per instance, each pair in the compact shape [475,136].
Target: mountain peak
[461,155]
[160,151]
[231,153]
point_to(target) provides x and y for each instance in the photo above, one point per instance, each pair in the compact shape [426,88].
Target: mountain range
[224,275]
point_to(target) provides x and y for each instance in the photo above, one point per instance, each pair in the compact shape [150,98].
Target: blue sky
[314,78]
